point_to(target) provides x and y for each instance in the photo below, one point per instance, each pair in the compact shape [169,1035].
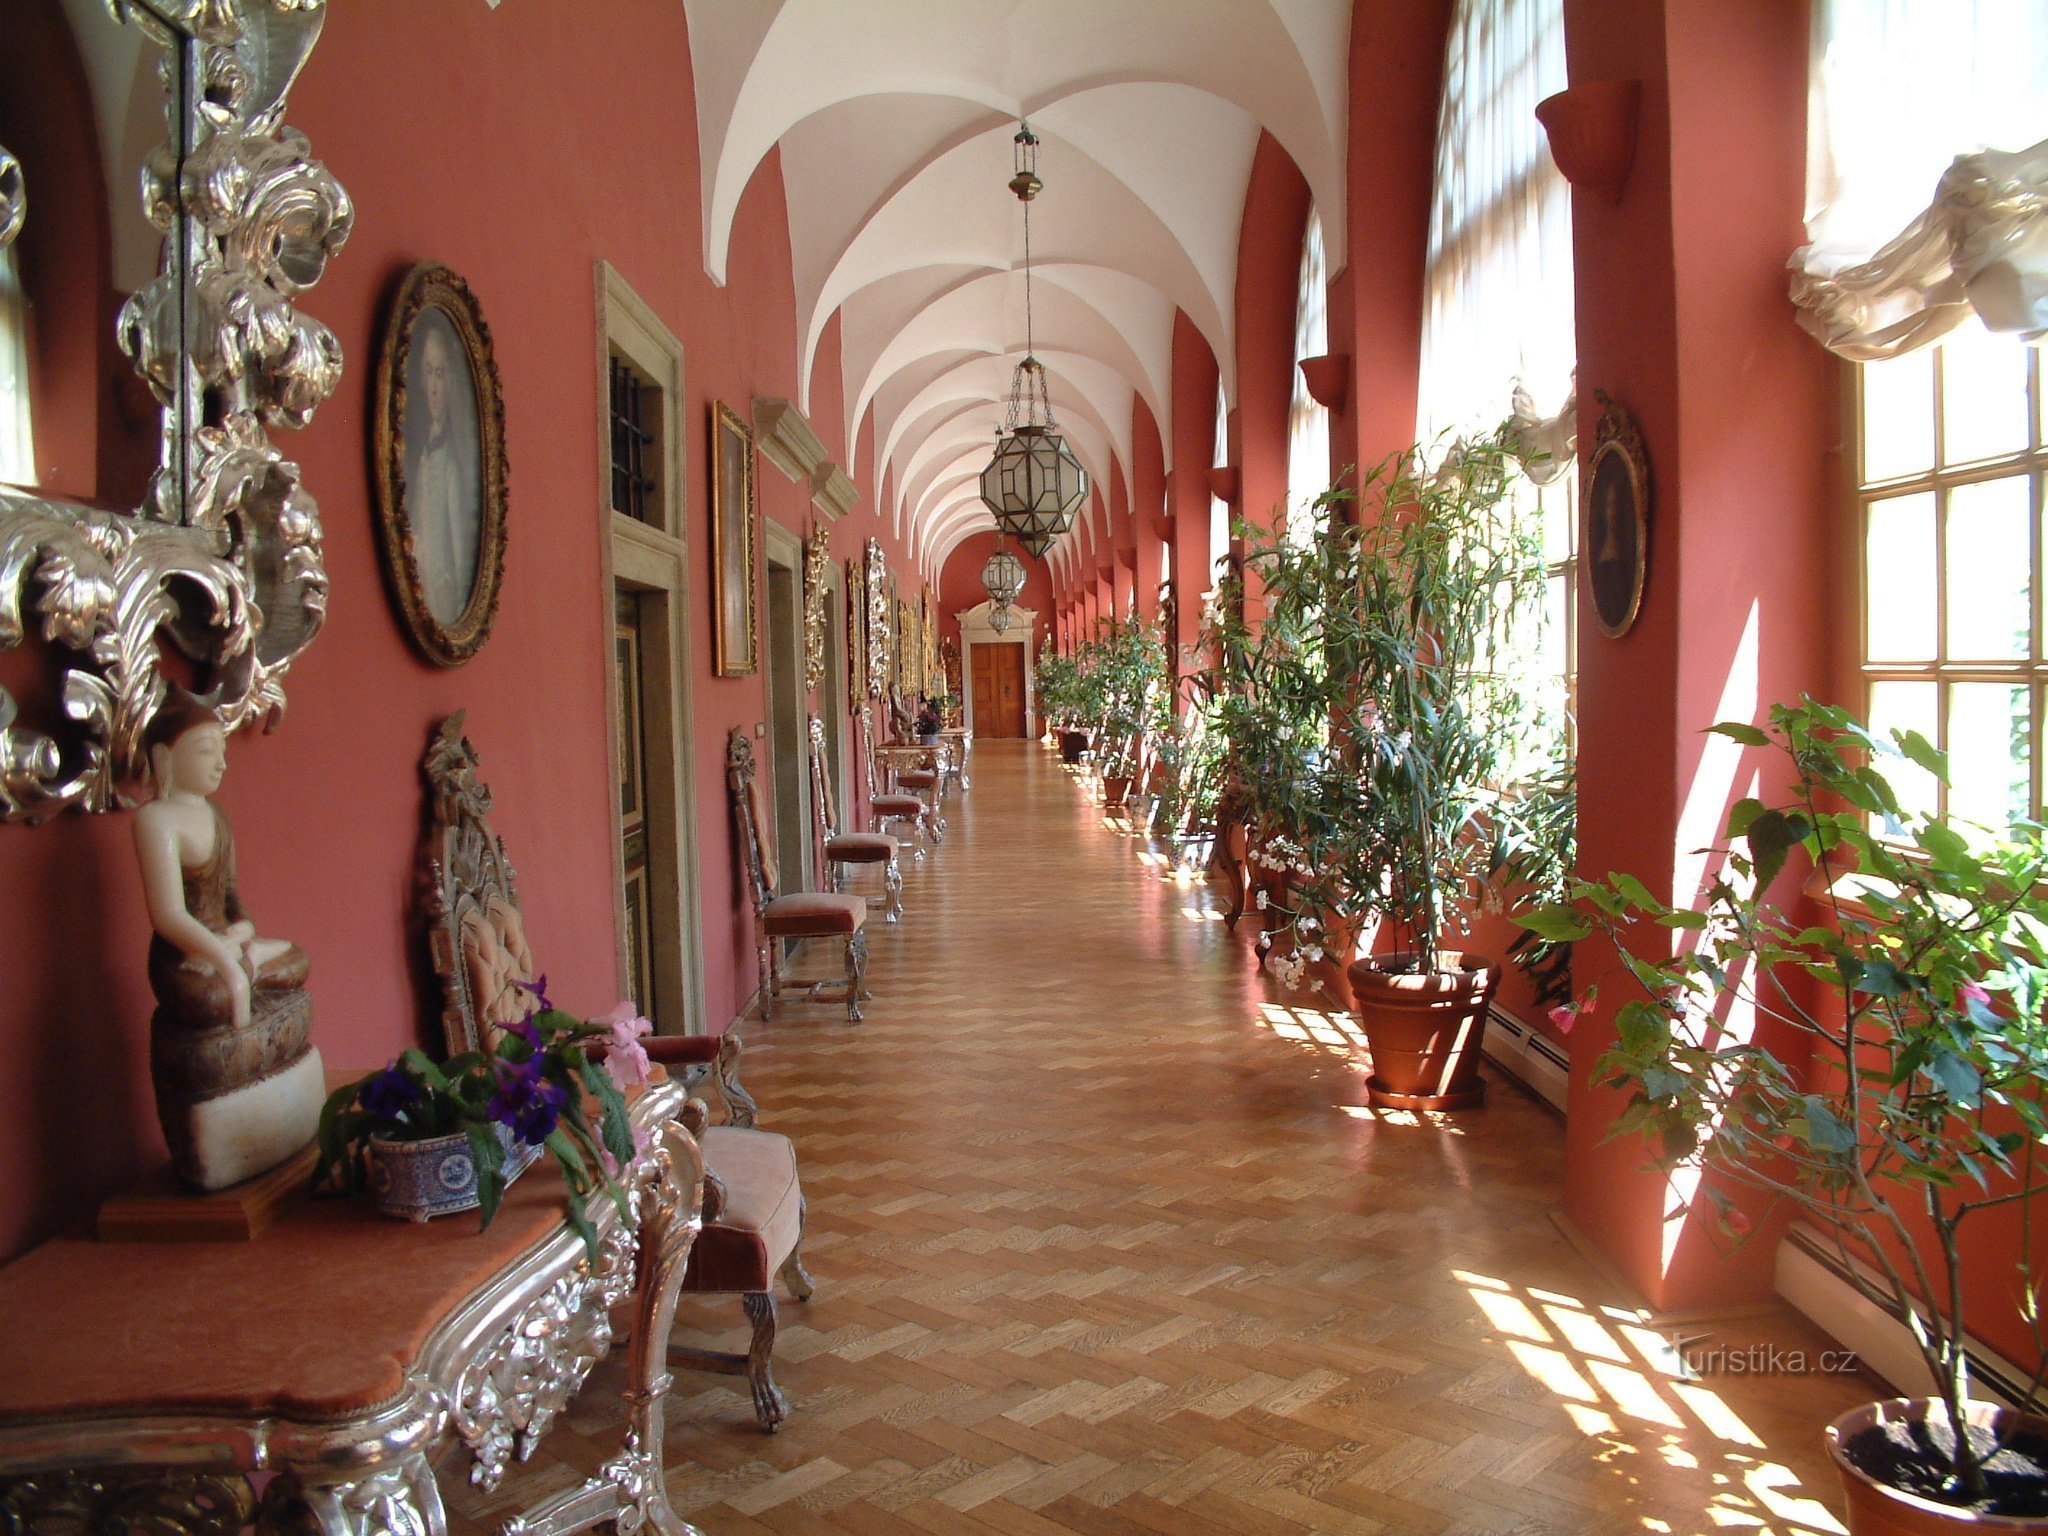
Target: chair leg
[792,1273]
[770,1407]
[856,974]
[767,980]
[892,885]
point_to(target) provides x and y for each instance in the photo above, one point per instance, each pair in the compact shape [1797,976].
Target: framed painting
[734,538]
[440,462]
[1616,538]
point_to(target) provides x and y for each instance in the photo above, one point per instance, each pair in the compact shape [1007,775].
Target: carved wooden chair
[800,915]
[753,1203]
[886,805]
[844,850]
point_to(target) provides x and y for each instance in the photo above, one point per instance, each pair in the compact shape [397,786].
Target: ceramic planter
[1876,1509]
[1424,1028]
[419,1180]
[1116,788]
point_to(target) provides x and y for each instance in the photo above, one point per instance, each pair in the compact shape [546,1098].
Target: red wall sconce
[1592,129]
[1223,482]
[1328,379]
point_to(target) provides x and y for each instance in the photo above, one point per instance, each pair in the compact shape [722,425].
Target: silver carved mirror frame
[223,558]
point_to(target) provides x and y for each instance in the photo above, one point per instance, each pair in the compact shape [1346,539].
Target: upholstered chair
[886,805]
[753,1203]
[846,850]
[800,915]
[753,1218]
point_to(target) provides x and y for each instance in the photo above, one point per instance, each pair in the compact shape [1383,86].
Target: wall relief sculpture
[881,623]
[221,561]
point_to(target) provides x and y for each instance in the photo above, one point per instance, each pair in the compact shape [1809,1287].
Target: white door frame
[975,630]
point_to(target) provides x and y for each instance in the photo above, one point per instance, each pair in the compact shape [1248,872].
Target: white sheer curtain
[17,441]
[1498,289]
[1219,509]
[1906,238]
[1308,423]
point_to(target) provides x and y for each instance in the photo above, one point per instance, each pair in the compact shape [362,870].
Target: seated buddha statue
[238,1082]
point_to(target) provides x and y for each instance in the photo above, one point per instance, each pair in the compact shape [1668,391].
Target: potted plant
[1888,1093]
[1130,672]
[428,1138]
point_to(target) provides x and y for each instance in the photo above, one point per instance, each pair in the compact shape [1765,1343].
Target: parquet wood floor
[1105,1242]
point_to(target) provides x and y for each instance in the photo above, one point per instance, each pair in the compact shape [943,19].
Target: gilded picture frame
[1615,532]
[439,442]
[880,658]
[735,540]
[856,636]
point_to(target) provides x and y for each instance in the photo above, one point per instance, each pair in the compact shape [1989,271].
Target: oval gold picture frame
[439,464]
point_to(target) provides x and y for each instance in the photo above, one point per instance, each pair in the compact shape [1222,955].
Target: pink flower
[625,1057]
[1970,997]
[1565,1014]
[1738,1223]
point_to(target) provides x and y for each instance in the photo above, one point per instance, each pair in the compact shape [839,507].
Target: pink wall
[327,810]
[1682,317]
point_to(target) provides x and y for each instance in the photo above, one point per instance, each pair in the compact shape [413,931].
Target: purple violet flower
[388,1094]
[527,1103]
[539,989]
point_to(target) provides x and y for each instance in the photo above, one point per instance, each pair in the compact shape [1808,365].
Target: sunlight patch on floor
[1627,1387]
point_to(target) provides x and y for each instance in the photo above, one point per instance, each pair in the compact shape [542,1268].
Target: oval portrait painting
[441,465]
[1616,535]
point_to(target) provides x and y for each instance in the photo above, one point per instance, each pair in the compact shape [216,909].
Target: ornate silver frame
[881,654]
[223,558]
[817,571]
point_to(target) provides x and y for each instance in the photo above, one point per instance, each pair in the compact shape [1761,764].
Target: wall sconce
[1223,481]
[1592,129]
[1328,379]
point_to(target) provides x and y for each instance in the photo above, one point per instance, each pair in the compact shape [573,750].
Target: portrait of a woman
[443,495]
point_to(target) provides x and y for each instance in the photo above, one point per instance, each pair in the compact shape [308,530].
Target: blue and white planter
[419,1180]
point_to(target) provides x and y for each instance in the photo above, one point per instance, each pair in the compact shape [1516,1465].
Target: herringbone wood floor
[1106,1243]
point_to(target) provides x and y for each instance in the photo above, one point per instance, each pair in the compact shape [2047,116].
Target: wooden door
[998,690]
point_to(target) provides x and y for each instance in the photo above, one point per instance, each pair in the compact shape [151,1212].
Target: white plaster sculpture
[238,1081]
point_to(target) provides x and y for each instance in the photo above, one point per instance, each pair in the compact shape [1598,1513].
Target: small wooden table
[342,1351]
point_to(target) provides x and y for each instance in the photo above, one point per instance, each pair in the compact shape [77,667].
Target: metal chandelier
[1034,483]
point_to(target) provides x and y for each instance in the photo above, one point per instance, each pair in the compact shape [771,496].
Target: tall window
[1219,509]
[1308,423]
[1498,297]
[1948,497]
[17,441]
[1497,303]
[1949,457]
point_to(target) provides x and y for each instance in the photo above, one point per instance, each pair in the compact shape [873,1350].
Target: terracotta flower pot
[1424,1028]
[1116,788]
[1877,1509]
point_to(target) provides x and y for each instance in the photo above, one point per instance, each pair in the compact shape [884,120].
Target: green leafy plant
[531,1085]
[1889,1088]
[1382,729]
[1057,682]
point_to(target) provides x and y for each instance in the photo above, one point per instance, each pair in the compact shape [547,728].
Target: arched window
[17,440]
[1308,423]
[1497,306]
[1498,290]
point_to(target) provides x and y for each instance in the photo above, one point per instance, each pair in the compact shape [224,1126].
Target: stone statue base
[246,1131]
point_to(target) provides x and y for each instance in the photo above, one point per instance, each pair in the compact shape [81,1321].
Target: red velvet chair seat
[806,914]
[763,1215]
[860,848]
[896,805]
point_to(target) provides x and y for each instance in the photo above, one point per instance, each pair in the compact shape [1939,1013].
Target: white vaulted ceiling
[894,119]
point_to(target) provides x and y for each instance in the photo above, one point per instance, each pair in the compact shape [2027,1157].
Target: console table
[144,1382]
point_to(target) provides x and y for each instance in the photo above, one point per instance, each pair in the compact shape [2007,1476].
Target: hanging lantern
[1033,484]
[1003,577]
[1000,617]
